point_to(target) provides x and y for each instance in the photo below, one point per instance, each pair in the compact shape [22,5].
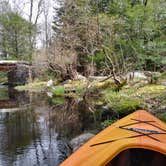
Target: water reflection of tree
[20,129]
[73,117]
[3,93]
[11,98]
[20,97]
[90,114]
[32,133]
[65,118]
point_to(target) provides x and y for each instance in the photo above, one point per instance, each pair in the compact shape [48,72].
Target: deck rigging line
[141,132]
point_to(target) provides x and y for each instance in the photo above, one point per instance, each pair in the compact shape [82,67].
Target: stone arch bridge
[18,72]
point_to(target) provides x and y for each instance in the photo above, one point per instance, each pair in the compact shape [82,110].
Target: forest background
[68,38]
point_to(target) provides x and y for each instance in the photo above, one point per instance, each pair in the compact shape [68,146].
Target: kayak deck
[137,130]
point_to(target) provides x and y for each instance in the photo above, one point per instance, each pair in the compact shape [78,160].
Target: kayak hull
[137,130]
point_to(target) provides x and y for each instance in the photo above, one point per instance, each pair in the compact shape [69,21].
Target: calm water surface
[35,130]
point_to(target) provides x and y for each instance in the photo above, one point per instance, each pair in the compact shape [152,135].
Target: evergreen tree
[14,33]
[113,35]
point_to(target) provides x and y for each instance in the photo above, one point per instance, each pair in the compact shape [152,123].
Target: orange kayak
[139,130]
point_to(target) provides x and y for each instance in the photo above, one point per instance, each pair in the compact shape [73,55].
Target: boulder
[80,140]
[136,74]
[66,82]
[81,78]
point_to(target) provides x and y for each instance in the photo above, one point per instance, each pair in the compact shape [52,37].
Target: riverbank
[135,94]
[93,105]
[36,86]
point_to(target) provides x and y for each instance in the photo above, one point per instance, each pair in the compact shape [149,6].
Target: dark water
[36,130]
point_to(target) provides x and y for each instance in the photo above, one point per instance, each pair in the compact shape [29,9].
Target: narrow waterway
[36,130]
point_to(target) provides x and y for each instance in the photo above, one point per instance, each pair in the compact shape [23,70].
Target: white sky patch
[23,8]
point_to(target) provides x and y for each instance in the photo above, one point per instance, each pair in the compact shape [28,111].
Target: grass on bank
[63,91]
[59,90]
[129,100]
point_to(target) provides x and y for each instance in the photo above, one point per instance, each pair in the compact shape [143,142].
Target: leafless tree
[46,6]
[35,12]
[4,6]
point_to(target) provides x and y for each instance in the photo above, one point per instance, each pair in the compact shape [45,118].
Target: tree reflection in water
[20,130]
[65,118]
[39,134]
[73,117]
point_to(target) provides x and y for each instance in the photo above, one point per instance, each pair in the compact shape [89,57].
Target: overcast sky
[23,7]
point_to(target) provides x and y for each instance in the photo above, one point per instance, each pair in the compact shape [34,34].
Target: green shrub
[59,90]
[79,90]
[98,58]
[163,75]
[114,96]
[108,122]
[155,79]
[126,106]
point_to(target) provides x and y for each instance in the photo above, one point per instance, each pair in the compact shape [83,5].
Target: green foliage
[62,91]
[131,98]
[14,36]
[126,106]
[146,35]
[79,90]
[123,102]
[136,33]
[98,59]
[150,90]
[155,78]
[59,90]
[99,6]
[108,122]
[121,35]
[163,76]
[112,96]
